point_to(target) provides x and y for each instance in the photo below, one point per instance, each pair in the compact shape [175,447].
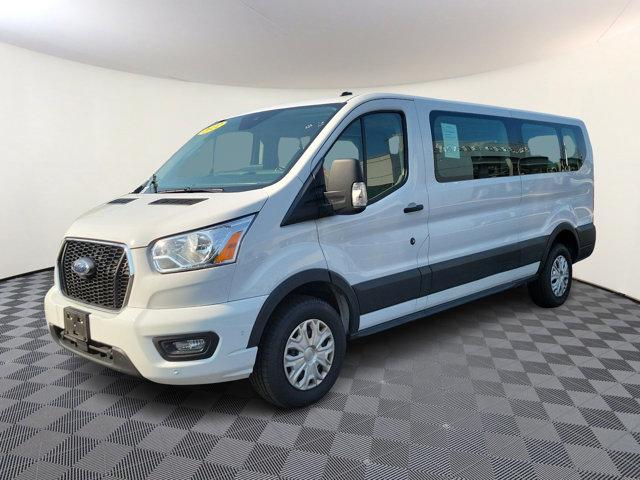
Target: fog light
[194,345]
[187,347]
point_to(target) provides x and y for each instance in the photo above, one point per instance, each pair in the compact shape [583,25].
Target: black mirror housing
[345,186]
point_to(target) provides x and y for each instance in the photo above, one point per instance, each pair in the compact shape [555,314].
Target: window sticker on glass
[211,128]
[450,140]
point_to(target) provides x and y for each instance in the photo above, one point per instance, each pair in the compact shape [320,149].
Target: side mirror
[346,190]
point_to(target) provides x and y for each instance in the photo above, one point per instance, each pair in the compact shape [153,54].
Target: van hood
[138,220]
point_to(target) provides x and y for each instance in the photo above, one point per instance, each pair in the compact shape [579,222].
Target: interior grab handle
[413,207]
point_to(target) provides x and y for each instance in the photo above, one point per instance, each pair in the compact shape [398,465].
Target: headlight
[204,248]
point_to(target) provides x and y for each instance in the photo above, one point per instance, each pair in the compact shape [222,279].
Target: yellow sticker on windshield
[211,128]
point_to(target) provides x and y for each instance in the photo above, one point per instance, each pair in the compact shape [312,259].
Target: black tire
[541,290]
[269,379]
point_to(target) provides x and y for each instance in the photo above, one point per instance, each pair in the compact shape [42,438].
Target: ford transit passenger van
[270,239]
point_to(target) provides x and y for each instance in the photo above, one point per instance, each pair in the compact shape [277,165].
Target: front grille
[108,286]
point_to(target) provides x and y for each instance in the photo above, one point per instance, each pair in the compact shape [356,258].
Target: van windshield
[243,153]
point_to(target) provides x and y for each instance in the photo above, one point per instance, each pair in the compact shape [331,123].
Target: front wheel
[553,285]
[300,354]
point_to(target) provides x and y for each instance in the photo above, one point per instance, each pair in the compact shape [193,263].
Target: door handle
[413,207]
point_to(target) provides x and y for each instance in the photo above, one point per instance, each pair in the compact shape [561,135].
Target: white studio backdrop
[74,136]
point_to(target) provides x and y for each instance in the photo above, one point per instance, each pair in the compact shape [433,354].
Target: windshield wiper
[191,190]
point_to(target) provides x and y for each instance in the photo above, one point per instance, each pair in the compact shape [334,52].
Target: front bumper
[111,357]
[129,333]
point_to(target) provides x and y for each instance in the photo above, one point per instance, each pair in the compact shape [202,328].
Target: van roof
[357,99]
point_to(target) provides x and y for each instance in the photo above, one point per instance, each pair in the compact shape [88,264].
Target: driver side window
[377,140]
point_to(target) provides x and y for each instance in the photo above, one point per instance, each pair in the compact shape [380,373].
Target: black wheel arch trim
[586,240]
[562,227]
[316,275]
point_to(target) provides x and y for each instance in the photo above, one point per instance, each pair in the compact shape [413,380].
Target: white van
[270,239]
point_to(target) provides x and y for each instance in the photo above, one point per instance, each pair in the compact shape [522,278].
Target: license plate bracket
[76,324]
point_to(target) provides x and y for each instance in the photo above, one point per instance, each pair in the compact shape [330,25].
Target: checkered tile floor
[495,389]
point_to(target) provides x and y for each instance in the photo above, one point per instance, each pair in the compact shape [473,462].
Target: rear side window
[470,147]
[542,153]
[378,141]
[574,148]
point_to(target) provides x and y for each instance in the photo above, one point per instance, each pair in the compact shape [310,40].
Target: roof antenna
[346,94]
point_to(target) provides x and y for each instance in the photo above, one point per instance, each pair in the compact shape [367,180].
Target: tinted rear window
[468,147]
[473,147]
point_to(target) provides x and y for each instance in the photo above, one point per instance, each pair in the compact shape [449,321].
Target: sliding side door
[474,195]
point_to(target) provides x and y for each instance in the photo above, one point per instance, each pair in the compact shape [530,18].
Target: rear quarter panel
[549,199]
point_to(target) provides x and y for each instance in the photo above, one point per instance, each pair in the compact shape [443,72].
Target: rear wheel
[553,285]
[300,354]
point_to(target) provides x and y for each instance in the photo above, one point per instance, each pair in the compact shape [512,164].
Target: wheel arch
[320,283]
[566,234]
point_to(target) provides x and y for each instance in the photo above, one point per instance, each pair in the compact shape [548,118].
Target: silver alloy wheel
[559,275]
[308,354]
